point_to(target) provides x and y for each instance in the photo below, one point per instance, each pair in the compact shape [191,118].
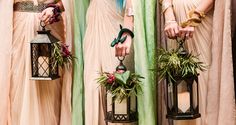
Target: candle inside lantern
[43,66]
[121,107]
[184,101]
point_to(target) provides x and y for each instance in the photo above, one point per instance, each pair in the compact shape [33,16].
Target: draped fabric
[145,53]
[212,40]
[32,102]
[29,102]
[80,7]
[103,20]
[162,43]
[66,110]
[221,100]
[6,21]
[199,44]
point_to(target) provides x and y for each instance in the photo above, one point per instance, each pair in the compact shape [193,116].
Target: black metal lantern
[120,112]
[43,64]
[182,95]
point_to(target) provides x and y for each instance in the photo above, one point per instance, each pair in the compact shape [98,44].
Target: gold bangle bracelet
[191,22]
[197,13]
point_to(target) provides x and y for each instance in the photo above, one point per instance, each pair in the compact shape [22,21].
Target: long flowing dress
[216,97]
[33,102]
[6,21]
[103,20]
[80,8]
[145,52]
[199,44]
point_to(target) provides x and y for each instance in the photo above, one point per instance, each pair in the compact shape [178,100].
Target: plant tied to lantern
[178,63]
[62,54]
[121,84]
[180,69]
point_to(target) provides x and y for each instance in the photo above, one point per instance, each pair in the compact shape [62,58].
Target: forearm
[167,11]
[205,6]
[128,20]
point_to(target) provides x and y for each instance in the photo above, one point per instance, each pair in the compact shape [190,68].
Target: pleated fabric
[30,102]
[212,40]
[145,53]
[221,101]
[80,9]
[6,28]
[200,45]
[103,20]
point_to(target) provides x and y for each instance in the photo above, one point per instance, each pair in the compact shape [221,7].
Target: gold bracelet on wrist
[195,13]
[193,22]
[194,18]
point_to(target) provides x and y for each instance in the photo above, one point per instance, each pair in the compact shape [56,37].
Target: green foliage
[121,85]
[62,55]
[172,63]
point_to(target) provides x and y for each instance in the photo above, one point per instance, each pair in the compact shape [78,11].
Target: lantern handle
[43,25]
[182,50]
[121,58]
[121,67]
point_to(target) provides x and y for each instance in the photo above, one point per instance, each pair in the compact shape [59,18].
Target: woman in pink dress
[29,102]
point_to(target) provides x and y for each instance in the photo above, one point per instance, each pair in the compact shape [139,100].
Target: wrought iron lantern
[43,64]
[120,112]
[182,95]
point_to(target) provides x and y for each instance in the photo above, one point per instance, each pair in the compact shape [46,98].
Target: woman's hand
[46,15]
[186,32]
[123,49]
[171,30]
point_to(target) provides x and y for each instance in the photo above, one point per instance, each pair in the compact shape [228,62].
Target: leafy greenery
[172,63]
[61,54]
[121,85]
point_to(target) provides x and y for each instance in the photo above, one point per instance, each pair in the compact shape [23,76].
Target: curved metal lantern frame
[174,112]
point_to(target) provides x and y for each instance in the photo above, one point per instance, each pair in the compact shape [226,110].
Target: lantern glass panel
[109,102]
[121,107]
[195,96]
[170,95]
[43,60]
[183,97]
[133,103]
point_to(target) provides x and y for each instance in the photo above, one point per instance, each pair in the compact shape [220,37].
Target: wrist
[56,13]
[122,36]
[59,4]
[169,22]
[169,15]
[194,18]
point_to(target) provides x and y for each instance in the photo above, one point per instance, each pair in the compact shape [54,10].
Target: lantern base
[45,78]
[121,118]
[183,116]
